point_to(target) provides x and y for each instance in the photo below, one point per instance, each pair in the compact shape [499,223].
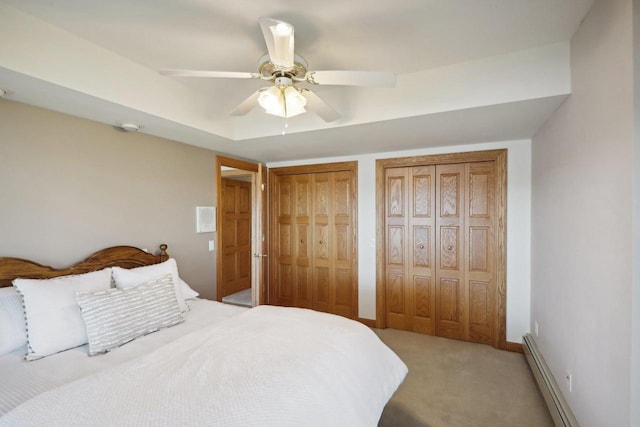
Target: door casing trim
[236,164]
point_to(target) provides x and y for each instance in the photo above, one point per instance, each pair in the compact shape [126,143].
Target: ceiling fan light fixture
[282,101]
[285,69]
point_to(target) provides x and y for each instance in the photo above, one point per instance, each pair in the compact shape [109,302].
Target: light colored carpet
[242,298]
[456,383]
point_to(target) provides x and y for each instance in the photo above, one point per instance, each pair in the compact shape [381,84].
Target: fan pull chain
[286,114]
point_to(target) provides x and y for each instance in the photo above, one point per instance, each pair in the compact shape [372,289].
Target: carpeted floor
[242,298]
[456,383]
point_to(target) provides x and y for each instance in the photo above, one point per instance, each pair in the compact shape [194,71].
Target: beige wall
[635,328]
[70,186]
[582,222]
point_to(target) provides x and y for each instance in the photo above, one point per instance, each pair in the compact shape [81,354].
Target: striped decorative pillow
[114,316]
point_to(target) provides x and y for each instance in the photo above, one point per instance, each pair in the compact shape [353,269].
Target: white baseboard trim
[557,404]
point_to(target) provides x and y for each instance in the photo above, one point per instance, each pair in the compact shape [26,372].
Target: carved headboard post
[163,253]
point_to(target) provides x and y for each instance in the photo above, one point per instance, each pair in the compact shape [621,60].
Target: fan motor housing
[283,81]
[269,70]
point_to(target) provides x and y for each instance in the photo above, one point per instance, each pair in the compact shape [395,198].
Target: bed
[199,362]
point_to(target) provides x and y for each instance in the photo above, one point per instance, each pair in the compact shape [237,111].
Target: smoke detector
[129,127]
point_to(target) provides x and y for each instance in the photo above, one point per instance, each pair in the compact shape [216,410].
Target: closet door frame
[499,157]
[352,168]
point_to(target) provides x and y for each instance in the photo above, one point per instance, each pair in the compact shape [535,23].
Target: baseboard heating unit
[558,407]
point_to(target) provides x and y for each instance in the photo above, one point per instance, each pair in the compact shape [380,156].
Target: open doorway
[240,238]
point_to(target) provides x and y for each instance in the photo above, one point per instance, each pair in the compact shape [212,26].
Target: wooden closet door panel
[450,285]
[342,297]
[421,248]
[396,254]
[480,266]
[322,276]
[410,221]
[302,240]
[282,288]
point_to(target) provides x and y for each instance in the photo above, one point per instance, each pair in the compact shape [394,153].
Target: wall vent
[558,406]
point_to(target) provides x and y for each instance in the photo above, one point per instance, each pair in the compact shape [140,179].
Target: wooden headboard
[120,256]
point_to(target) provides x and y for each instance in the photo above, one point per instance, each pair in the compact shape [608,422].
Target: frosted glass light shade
[272,101]
[287,102]
[295,102]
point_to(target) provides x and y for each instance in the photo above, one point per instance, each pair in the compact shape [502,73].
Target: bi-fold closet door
[314,242]
[440,266]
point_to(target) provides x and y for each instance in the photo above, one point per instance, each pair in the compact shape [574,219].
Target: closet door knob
[321,242]
[449,247]
[421,246]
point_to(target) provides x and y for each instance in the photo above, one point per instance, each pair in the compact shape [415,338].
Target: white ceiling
[468,70]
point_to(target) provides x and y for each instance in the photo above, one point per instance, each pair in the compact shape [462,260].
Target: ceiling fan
[286,69]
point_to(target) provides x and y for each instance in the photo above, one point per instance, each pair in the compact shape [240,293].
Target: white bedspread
[269,366]
[21,380]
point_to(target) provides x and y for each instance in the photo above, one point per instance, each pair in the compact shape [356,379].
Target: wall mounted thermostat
[205,219]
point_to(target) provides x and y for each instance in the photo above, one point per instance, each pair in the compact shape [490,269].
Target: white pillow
[53,319]
[187,291]
[114,317]
[127,278]
[13,333]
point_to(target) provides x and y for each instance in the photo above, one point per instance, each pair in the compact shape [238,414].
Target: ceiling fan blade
[203,73]
[318,106]
[352,78]
[279,38]
[247,105]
